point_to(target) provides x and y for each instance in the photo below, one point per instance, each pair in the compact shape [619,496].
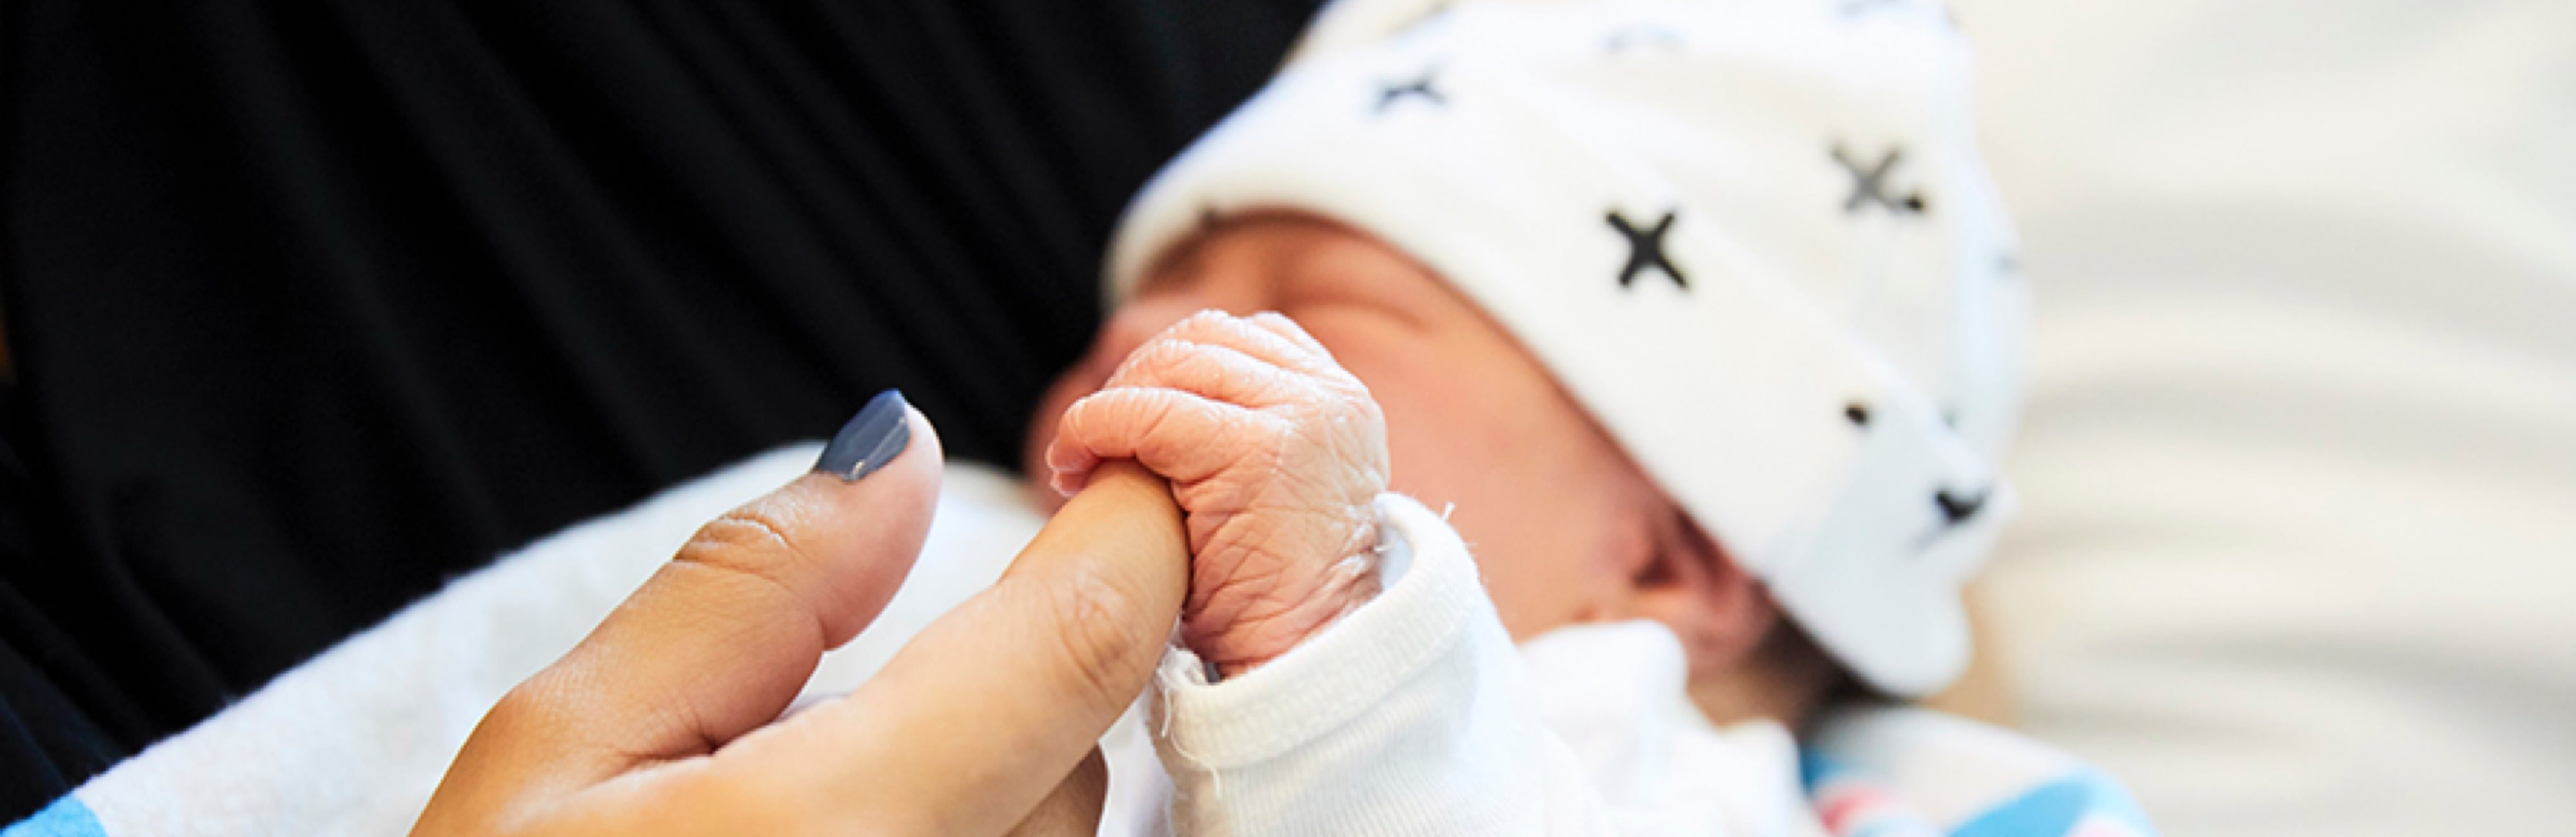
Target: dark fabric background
[315,305]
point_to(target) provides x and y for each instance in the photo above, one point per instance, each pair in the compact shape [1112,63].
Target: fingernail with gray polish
[877,434]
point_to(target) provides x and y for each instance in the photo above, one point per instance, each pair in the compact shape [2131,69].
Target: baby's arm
[1340,709]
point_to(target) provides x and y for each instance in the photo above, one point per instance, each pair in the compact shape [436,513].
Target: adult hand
[665,719]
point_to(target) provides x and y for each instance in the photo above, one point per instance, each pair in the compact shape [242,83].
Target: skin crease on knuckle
[1258,342]
[1100,636]
[1474,420]
[746,541]
[1217,371]
[1147,366]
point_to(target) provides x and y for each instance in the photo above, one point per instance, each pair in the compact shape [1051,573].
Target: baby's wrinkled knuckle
[1369,412]
[1124,411]
[1148,362]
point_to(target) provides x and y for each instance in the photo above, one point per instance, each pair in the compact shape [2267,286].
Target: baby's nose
[1957,508]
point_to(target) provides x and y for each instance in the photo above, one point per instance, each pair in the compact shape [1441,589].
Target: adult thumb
[989,709]
[718,641]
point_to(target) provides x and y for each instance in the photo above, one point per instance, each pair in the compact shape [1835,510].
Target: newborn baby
[1278,452]
[1698,323]
[1280,457]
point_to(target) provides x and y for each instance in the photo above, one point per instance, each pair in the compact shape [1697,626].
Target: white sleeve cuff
[1430,595]
[1411,715]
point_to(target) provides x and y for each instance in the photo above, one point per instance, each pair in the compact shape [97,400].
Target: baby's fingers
[1279,324]
[1217,372]
[1260,335]
[1181,435]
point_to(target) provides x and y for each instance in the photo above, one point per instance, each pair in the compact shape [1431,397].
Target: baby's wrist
[1342,586]
[1350,583]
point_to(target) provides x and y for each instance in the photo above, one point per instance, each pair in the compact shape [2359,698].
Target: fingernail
[877,434]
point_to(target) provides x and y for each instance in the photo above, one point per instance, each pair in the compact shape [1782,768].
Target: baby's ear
[1720,612]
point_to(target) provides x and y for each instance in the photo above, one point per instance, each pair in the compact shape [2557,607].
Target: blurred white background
[2298,554]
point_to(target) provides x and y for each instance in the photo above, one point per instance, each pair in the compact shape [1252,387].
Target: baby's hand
[1276,455]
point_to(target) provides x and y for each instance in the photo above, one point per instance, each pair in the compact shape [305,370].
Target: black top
[312,306]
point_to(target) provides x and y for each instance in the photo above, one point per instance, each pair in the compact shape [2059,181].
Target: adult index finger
[985,711]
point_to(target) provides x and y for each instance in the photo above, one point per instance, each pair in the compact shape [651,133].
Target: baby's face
[1564,526]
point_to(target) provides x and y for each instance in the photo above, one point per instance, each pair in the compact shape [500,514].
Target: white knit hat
[1753,238]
